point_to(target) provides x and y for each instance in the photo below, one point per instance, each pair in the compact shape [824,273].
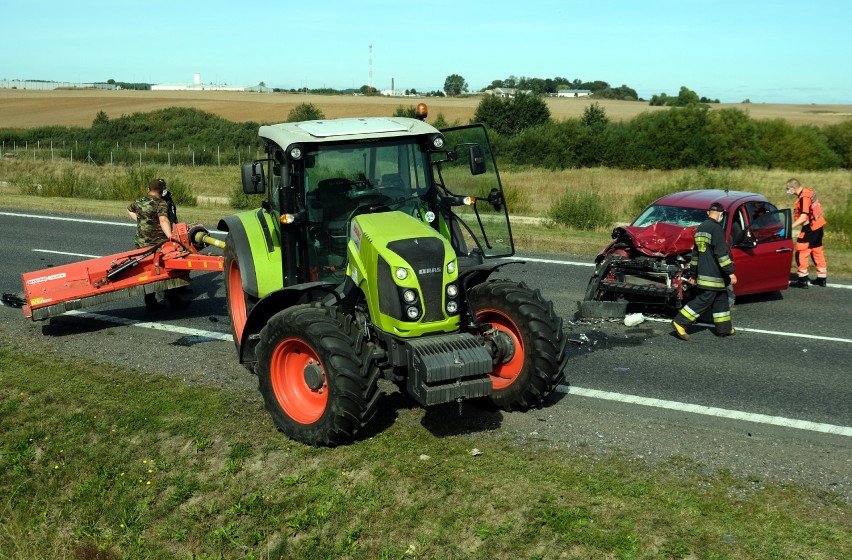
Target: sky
[766,51]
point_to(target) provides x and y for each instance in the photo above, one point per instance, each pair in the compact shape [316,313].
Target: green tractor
[364,263]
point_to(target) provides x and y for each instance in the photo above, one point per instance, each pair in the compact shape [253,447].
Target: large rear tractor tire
[240,303]
[316,374]
[535,368]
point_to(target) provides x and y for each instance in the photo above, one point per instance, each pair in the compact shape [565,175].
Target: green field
[103,463]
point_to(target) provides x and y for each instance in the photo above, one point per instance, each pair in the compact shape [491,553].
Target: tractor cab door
[471,197]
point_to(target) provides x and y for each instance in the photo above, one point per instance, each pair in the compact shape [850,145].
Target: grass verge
[103,463]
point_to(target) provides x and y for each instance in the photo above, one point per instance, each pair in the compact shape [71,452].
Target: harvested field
[29,108]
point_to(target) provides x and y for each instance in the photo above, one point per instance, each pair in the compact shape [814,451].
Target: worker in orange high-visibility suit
[808,215]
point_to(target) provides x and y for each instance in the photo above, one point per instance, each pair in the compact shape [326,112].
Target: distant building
[507,92]
[46,85]
[573,93]
[196,85]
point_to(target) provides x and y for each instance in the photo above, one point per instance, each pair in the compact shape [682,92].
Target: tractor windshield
[344,179]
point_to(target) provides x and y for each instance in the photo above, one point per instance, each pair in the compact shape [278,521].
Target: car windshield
[676,215]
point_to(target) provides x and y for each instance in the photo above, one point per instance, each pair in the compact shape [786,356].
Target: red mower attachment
[55,290]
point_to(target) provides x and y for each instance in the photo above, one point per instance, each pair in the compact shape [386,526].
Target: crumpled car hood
[661,239]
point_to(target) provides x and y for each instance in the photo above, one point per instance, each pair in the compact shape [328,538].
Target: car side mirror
[748,242]
[253,181]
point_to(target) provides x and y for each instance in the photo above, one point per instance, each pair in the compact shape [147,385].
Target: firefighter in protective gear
[711,269]
[808,214]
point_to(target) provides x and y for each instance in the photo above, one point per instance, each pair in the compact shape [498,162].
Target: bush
[839,138]
[839,222]
[795,147]
[584,211]
[242,201]
[305,112]
[403,111]
[511,115]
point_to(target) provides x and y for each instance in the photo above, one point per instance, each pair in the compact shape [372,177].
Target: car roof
[703,198]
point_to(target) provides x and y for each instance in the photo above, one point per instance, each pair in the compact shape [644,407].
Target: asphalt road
[773,402]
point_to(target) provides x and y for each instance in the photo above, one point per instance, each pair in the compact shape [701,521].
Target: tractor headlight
[409,296]
[401,273]
[412,312]
[452,307]
[452,290]
[451,267]
[295,152]
[437,142]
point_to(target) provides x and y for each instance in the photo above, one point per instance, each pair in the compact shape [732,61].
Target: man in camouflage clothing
[151,214]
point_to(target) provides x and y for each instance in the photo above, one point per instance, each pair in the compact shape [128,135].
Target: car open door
[762,259]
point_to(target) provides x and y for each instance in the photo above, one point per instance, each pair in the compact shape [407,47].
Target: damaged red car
[646,261]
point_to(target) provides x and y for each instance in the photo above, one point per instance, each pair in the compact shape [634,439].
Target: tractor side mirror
[477,160]
[253,181]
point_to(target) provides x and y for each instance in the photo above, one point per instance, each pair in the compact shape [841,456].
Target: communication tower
[370,81]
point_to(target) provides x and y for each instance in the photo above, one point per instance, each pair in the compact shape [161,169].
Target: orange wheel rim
[287,369]
[504,374]
[236,300]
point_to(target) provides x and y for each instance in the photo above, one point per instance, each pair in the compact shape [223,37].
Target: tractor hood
[658,240]
[404,267]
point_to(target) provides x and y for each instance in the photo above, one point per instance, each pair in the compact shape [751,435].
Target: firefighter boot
[679,331]
[801,282]
[820,282]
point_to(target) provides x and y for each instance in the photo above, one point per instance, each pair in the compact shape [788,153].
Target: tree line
[693,135]
[523,133]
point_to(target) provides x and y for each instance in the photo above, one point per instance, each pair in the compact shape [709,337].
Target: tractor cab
[320,174]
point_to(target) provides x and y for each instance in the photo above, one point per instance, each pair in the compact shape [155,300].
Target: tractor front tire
[240,303]
[316,374]
[535,369]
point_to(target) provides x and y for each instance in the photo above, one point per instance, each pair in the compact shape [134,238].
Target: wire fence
[140,154]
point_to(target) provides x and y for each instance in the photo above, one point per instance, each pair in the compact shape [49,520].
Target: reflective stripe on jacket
[712,257]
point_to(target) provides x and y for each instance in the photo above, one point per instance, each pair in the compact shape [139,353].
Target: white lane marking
[762,331]
[709,411]
[84,221]
[152,325]
[549,261]
[62,219]
[592,393]
[69,254]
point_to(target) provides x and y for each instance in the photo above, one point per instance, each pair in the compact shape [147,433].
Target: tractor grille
[426,256]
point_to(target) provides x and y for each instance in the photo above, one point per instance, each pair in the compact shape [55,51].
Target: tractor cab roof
[331,130]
